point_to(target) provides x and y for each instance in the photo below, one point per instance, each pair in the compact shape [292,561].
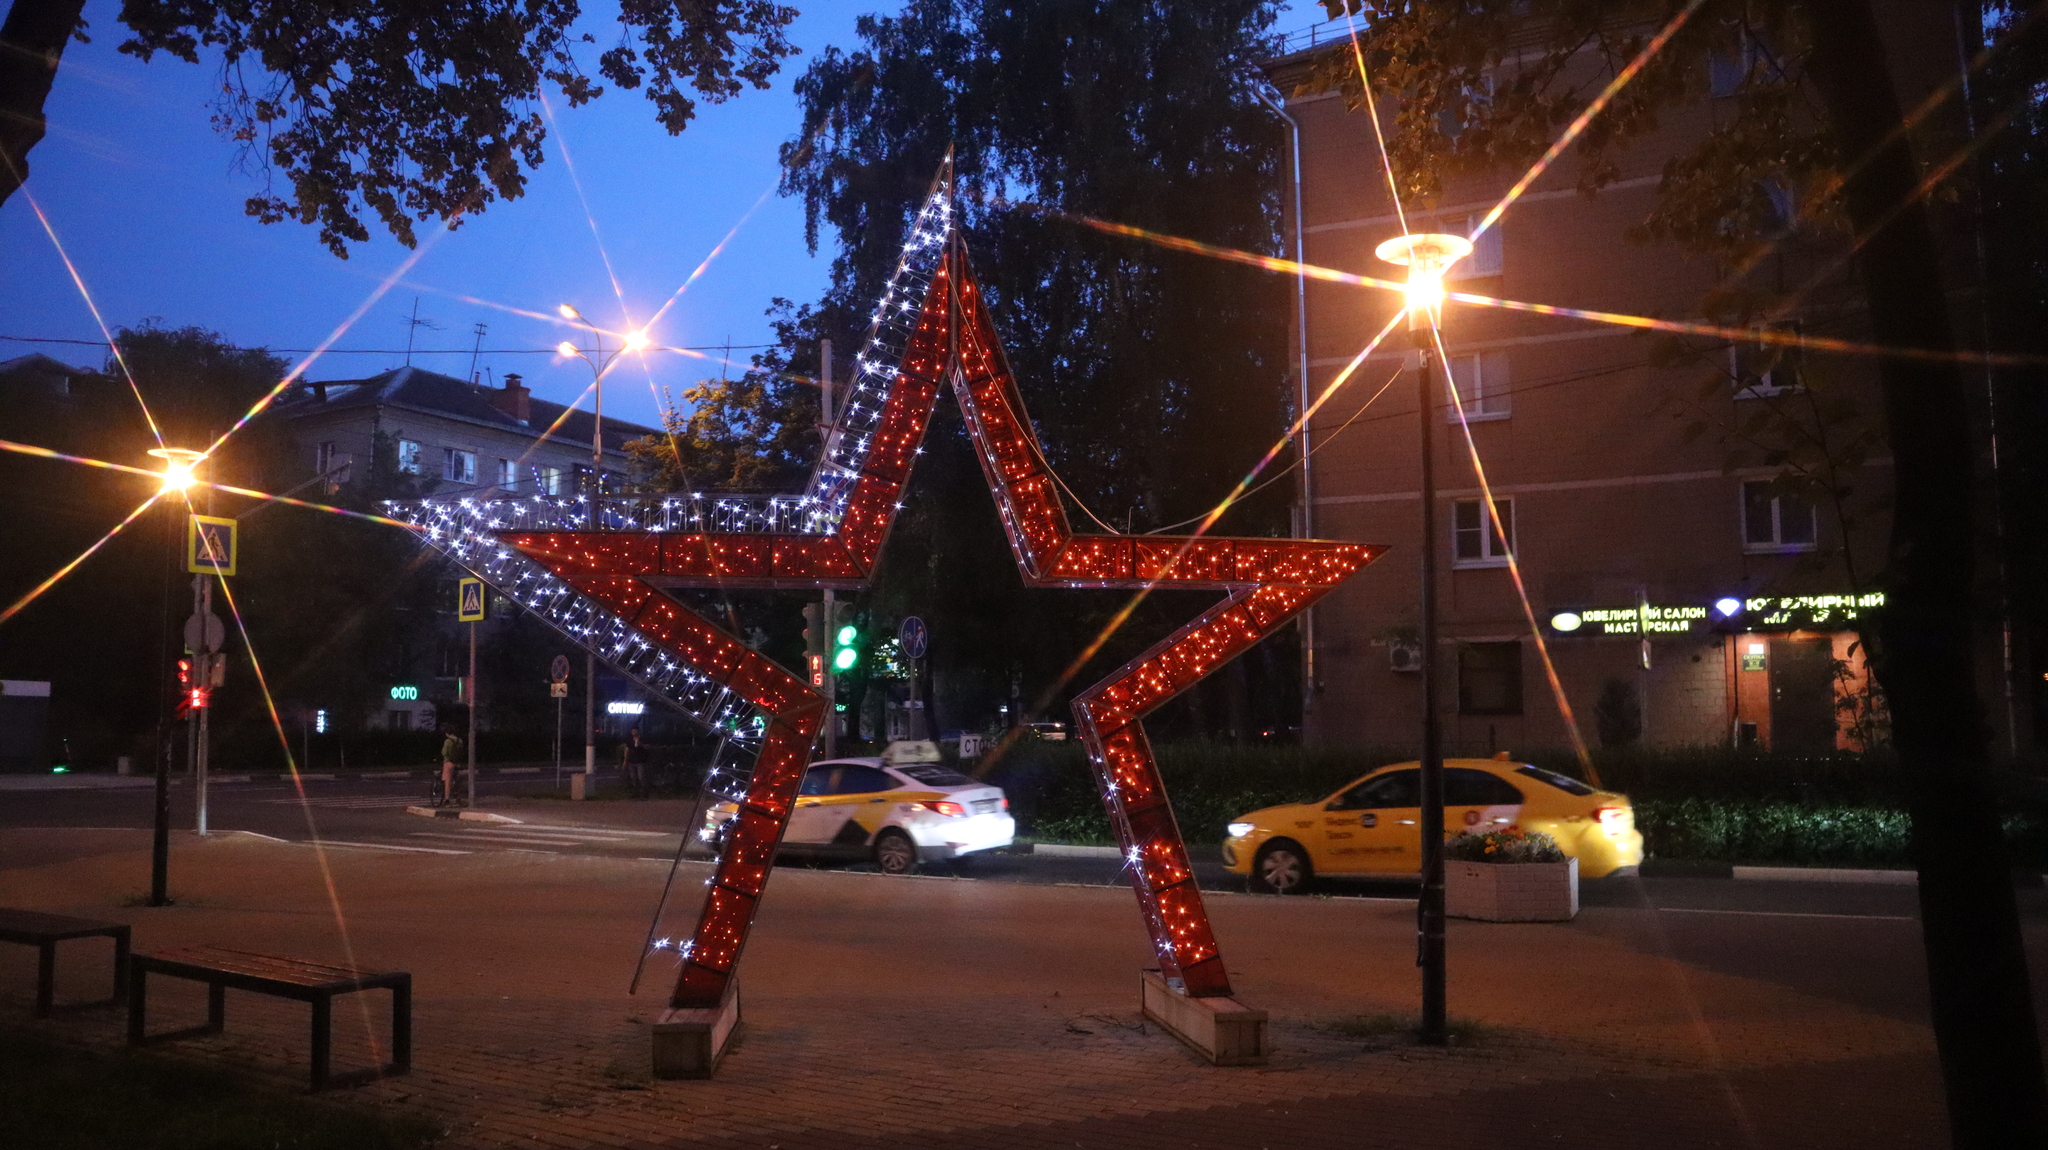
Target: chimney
[320,392]
[514,399]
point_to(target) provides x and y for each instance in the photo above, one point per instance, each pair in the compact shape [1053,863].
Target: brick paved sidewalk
[947,1013]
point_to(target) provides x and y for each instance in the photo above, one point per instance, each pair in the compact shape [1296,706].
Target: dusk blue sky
[147,200]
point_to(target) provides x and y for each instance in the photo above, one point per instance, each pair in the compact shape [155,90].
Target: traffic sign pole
[831,685]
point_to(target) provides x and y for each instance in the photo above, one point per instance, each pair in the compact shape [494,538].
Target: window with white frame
[1775,520]
[408,457]
[508,474]
[458,466]
[1476,541]
[1768,365]
[1482,382]
[550,478]
[1485,259]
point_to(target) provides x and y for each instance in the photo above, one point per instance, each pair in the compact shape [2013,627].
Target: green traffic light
[848,634]
[845,659]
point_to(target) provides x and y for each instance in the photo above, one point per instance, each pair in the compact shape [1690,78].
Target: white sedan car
[894,809]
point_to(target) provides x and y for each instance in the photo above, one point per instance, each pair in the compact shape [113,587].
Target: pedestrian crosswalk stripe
[350,804]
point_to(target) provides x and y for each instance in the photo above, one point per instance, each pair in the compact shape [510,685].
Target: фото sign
[405,694]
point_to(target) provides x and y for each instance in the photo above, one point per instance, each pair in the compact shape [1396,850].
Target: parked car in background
[899,809]
[1372,826]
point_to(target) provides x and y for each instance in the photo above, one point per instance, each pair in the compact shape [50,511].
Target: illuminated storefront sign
[1652,619]
[405,694]
[625,708]
[1758,613]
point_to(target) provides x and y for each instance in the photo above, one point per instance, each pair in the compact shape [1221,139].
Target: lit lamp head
[566,350]
[180,466]
[1427,256]
[637,340]
[567,311]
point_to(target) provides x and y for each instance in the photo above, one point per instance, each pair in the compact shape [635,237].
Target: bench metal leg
[401,1026]
[46,978]
[138,997]
[323,1036]
[120,963]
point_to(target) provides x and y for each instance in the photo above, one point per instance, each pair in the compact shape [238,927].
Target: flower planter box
[1512,892]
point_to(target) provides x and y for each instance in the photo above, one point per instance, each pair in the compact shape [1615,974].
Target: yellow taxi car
[1373,825]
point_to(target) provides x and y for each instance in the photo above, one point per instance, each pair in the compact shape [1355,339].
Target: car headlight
[1239,830]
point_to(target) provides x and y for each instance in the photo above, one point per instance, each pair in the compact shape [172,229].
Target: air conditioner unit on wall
[1404,657]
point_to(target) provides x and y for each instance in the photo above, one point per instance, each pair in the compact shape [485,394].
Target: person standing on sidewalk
[634,754]
[451,749]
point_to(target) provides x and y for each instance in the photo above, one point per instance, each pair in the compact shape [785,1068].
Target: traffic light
[815,627]
[845,638]
[194,690]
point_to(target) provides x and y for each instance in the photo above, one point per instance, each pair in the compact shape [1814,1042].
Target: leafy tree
[1155,378]
[408,109]
[1821,114]
[755,433]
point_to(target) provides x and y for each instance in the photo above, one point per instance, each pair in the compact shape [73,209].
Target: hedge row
[1690,804]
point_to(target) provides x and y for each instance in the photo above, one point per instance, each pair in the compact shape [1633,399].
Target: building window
[1775,520]
[1490,679]
[508,474]
[458,466]
[1482,386]
[1474,540]
[1485,259]
[550,480]
[399,720]
[1767,366]
[408,457]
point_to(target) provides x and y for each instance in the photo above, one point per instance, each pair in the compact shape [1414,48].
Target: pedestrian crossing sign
[470,602]
[210,545]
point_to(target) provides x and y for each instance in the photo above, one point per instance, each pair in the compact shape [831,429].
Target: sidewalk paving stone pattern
[888,1012]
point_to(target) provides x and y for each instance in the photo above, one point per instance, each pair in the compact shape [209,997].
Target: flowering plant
[1507,845]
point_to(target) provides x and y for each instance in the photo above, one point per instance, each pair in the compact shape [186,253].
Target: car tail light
[1006,803]
[1613,820]
[942,807]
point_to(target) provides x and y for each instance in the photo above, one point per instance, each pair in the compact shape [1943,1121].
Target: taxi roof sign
[911,751]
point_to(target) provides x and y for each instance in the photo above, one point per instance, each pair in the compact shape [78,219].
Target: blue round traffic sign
[914,636]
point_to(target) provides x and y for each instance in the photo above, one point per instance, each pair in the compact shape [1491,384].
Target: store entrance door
[1802,696]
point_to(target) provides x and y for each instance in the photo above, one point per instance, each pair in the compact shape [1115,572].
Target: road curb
[458,813]
[1062,850]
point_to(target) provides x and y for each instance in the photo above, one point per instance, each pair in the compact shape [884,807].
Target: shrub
[1506,845]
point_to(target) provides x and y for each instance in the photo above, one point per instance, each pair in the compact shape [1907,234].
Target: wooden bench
[44,932]
[317,983]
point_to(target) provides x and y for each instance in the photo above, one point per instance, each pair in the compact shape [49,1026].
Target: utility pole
[202,590]
[471,741]
[831,687]
[1430,909]
[481,327]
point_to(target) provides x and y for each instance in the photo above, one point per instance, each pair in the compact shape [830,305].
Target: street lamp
[180,464]
[179,475]
[600,362]
[1427,257]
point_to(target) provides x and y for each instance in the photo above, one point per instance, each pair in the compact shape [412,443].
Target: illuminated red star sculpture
[1265,581]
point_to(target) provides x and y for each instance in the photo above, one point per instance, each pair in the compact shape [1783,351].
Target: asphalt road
[372,812]
[1854,942]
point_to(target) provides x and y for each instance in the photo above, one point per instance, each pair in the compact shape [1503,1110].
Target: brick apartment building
[463,438]
[1667,570]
